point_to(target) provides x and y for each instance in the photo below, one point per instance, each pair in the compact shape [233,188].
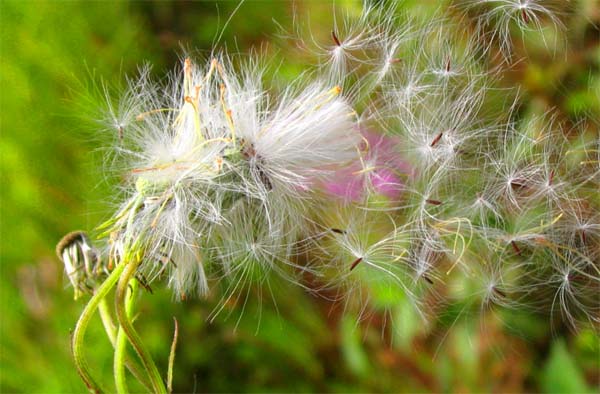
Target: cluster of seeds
[380,171]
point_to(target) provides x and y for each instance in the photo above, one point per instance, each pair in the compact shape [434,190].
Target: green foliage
[561,373]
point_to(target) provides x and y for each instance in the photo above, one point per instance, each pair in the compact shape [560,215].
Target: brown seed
[264,178]
[249,152]
[335,38]
[499,292]
[515,247]
[518,184]
[355,263]
[144,283]
[436,139]
[524,15]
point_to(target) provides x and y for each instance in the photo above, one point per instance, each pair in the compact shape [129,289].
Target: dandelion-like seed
[496,19]
[379,176]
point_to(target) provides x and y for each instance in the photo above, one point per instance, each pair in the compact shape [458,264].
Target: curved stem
[111,332]
[172,357]
[107,322]
[119,371]
[82,324]
[121,342]
[129,330]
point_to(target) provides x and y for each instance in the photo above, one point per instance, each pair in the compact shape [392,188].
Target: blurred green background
[50,159]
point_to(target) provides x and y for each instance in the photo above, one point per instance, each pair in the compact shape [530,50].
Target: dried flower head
[82,261]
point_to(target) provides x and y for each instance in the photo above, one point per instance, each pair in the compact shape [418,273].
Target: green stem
[172,357]
[120,351]
[107,322]
[111,332]
[82,324]
[121,342]
[126,326]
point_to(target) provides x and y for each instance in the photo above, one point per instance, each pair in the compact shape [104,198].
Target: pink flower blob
[381,171]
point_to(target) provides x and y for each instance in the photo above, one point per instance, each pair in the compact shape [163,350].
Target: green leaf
[561,374]
[354,354]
